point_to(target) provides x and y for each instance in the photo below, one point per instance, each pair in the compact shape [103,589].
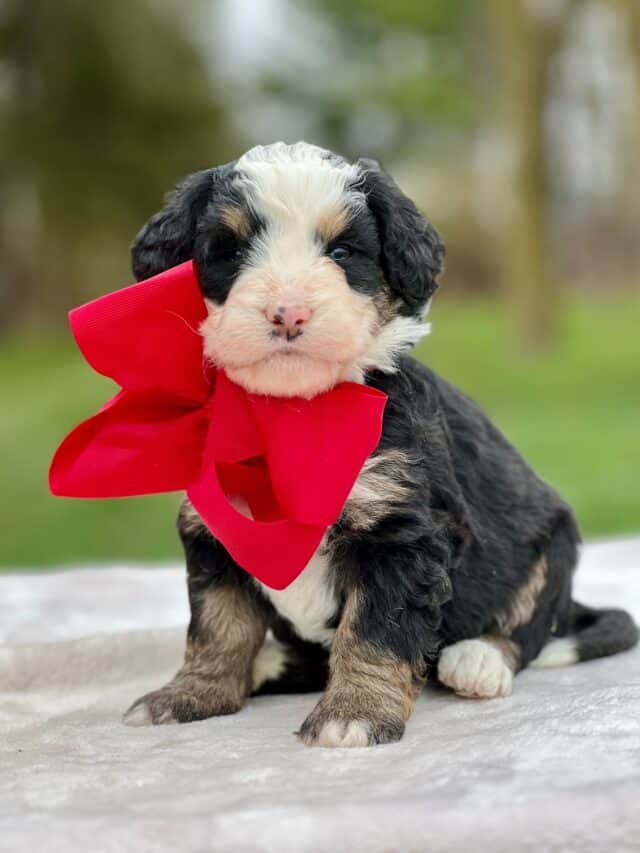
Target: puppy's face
[313,269]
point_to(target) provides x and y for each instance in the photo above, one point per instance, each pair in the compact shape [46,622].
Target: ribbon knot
[177,424]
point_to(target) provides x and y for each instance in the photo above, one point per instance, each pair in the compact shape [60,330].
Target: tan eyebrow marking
[332,222]
[236,219]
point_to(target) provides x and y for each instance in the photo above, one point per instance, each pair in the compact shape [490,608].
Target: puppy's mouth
[288,346]
[290,352]
[286,350]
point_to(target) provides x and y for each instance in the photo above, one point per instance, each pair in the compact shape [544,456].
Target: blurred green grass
[574,413]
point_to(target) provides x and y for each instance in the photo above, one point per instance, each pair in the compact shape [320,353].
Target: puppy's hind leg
[482,668]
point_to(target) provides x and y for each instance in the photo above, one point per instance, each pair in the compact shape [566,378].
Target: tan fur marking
[190,521]
[357,670]
[510,650]
[524,603]
[380,486]
[387,306]
[332,222]
[235,219]
[230,629]
[365,686]
[216,677]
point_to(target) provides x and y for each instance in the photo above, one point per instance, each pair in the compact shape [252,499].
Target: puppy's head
[313,269]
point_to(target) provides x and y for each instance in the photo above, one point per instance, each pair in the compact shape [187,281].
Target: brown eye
[339,253]
[232,255]
[229,253]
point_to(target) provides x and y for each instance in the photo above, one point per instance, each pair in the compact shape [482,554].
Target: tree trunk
[633,11]
[525,45]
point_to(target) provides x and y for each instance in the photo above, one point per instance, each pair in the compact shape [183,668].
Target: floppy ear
[167,238]
[412,251]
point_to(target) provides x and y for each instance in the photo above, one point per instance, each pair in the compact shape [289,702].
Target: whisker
[186,322]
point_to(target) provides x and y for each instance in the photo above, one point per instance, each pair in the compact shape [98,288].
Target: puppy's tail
[593,633]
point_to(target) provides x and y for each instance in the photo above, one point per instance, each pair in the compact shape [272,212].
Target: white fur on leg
[562,651]
[336,733]
[270,663]
[475,669]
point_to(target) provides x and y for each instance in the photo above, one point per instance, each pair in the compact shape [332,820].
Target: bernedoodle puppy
[451,557]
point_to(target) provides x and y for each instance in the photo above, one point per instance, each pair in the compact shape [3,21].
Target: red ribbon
[178,424]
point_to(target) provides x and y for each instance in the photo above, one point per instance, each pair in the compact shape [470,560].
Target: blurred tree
[388,80]
[527,36]
[450,94]
[102,109]
[438,72]
[632,9]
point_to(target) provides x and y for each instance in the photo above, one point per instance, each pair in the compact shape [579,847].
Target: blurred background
[514,124]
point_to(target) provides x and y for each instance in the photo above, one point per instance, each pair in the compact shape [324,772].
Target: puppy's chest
[310,603]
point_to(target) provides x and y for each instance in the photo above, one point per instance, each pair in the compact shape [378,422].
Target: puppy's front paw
[153,709]
[475,669]
[330,725]
[184,701]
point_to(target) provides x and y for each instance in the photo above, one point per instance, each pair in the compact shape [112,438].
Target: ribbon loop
[174,426]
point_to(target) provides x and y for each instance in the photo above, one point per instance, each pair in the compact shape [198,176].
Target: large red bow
[177,424]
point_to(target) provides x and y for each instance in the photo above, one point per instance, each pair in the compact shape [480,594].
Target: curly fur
[449,540]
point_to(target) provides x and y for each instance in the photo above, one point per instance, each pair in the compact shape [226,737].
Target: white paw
[475,669]
[338,733]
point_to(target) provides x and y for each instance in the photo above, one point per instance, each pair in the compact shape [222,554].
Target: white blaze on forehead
[295,188]
[305,197]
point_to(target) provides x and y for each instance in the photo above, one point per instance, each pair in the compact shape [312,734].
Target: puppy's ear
[168,237]
[412,251]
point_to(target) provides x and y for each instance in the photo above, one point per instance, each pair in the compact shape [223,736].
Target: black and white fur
[451,557]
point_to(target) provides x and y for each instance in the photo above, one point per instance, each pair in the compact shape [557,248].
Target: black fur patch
[602,632]
[439,568]
[307,664]
[219,252]
[169,236]
[412,251]
[362,267]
